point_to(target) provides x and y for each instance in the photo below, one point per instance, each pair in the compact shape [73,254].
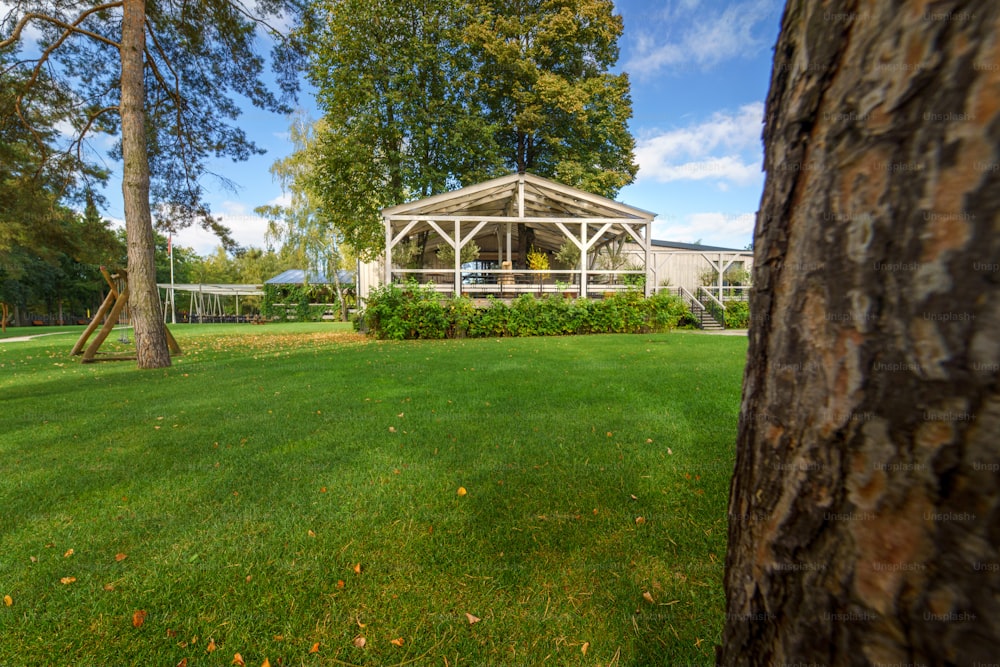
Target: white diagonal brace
[399,237]
[447,237]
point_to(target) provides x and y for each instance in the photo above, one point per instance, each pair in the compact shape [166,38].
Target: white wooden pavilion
[506,217]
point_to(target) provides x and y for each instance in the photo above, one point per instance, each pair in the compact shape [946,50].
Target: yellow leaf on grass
[583,649]
[396,642]
[211,646]
[67,580]
[357,568]
[266,663]
[462,491]
[183,662]
[648,597]
[238,660]
[109,587]
[69,552]
[8,600]
[120,557]
[639,520]
[315,648]
[472,619]
[312,534]
[392,429]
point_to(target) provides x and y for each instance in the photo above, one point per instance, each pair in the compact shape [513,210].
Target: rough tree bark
[144,301]
[865,509]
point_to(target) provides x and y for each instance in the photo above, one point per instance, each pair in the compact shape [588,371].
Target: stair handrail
[691,298]
[712,297]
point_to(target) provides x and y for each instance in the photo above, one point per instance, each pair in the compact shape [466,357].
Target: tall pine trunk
[144,300]
[865,507]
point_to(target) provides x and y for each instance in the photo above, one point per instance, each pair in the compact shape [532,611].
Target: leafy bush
[413,311]
[737,314]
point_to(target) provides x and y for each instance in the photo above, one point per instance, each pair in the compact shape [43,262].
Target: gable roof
[543,198]
[677,245]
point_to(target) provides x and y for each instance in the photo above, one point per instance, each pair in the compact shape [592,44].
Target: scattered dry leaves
[138,618]
[472,619]
[67,580]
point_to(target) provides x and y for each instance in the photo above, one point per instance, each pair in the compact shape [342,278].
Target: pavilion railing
[519,281]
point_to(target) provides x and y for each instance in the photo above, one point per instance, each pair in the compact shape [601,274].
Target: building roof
[301,277]
[677,245]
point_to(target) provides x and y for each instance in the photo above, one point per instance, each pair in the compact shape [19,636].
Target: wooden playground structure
[116,302]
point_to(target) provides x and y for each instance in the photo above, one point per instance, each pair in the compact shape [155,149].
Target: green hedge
[737,315]
[412,311]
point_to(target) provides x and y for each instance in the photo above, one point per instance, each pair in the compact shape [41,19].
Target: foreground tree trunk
[865,508]
[144,300]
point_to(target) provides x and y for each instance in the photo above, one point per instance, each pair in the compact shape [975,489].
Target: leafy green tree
[543,81]
[422,96]
[393,82]
[309,237]
[159,74]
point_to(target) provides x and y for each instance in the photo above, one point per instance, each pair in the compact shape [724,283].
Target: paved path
[24,339]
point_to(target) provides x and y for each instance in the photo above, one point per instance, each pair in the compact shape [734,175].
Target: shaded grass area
[245,484]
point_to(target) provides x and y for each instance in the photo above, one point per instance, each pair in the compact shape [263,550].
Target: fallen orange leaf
[462,491]
[583,649]
[322,489]
[472,619]
[183,662]
[648,597]
[266,663]
[138,618]
[639,520]
[238,660]
[211,646]
[69,552]
[67,580]
[8,600]
[340,583]
[357,569]
[312,534]
[120,557]
[315,648]
[396,642]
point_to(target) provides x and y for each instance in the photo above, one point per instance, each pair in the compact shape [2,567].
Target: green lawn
[245,484]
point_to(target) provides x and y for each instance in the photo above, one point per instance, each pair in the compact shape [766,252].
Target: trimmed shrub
[737,314]
[412,311]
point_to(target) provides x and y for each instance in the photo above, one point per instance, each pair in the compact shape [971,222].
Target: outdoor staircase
[706,321]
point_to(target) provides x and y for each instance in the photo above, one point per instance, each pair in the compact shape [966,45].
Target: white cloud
[724,148]
[690,35]
[719,229]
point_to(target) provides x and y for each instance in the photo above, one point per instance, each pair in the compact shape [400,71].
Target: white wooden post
[583,260]
[388,251]
[458,258]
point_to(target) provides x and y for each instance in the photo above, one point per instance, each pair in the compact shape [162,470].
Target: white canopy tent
[206,298]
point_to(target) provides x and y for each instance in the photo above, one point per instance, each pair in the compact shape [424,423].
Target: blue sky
[700,71]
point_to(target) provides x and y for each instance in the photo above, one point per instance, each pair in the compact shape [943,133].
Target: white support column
[458,258]
[648,247]
[583,260]
[388,251]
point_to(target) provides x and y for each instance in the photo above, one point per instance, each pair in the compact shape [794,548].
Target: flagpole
[173,304]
